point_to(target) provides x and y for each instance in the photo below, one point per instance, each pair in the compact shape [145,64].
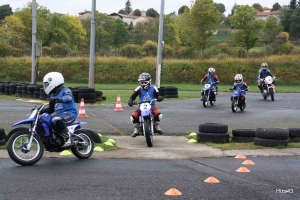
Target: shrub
[150,48]
[168,51]
[59,50]
[131,51]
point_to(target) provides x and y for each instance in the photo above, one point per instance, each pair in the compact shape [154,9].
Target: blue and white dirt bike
[208,94]
[26,146]
[146,121]
[236,100]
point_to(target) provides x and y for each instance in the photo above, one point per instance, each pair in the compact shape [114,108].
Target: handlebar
[147,101]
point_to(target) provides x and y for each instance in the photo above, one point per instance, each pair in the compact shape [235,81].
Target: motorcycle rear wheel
[85,148]
[24,157]
[147,131]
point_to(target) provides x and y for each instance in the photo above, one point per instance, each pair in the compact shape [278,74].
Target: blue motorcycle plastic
[26,146]
[236,100]
[208,94]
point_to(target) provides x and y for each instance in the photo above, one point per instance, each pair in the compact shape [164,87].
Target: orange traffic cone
[211,179]
[173,192]
[118,105]
[243,169]
[248,162]
[240,156]
[82,110]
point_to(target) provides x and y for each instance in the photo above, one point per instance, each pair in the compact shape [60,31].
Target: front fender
[25,121]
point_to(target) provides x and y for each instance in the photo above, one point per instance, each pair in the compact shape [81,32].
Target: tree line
[189,31]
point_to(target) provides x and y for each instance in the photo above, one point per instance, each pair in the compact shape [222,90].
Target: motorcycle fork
[32,131]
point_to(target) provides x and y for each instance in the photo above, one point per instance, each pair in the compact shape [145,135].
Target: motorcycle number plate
[145,106]
[207,85]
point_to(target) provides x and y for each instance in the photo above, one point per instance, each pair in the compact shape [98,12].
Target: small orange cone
[211,179]
[243,170]
[118,105]
[81,113]
[173,192]
[240,156]
[248,162]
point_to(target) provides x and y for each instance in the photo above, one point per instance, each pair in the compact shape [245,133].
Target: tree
[247,27]
[5,10]
[183,9]
[258,7]
[293,4]
[172,13]
[151,12]
[272,29]
[199,24]
[295,23]
[128,8]
[276,6]
[285,18]
[137,12]
[220,7]
[122,11]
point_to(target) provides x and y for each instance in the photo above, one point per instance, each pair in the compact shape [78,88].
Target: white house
[142,19]
[84,15]
[126,18]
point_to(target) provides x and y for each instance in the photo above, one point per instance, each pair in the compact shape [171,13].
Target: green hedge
[125,70]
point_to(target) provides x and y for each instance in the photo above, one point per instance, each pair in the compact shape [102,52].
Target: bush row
[125,70]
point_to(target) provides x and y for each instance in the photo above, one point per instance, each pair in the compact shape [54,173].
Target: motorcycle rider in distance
[145,92]
[263,73]
[61,104]
[240,84]
[211,77]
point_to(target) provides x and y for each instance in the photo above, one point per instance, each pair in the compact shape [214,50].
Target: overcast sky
[73,7]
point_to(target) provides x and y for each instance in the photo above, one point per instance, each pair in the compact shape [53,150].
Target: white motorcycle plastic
[268,87]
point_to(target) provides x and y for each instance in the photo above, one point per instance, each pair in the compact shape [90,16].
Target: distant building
[267,12]
[84,15]
[126,18]
[142,19]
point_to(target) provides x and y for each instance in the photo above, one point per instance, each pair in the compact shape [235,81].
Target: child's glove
[160,98]
[54,100]
[130,102]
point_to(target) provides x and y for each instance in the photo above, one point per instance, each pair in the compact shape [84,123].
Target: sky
[73,7]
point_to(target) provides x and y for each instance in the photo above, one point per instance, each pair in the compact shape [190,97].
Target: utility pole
[92,45]
[160,44]
[33,63]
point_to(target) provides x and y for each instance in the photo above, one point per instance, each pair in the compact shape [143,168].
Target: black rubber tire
[31,87]
[103,97]
[2,134]
[271,91]
[18,160]
[171,92]
[98,93]
[149,137]
[14,131]
[295,139]
[272,133]
[86,90]
[212,137]
[75,149]
[213,128]
[243,132]
[171,88]
[171,96]
[294,132]
[94,135]
[269,142]
[2,142]
[87,95]
[161,89]
[242,139]
[87,100]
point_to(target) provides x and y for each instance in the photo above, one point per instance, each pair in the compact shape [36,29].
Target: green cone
[65,153]
[99,134]
[98,149]
[192,141]
[193,134]
[111,140]
[108,144]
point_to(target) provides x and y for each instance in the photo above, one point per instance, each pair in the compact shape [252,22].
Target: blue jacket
[242,86]
[144,95]
[263,74]
[66,103]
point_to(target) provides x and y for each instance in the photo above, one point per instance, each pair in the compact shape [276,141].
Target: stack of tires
[162,91]
[30,91]
[37,91]
[12,89]
[213,132]
[270,137]
[88,94]
[171,92]
[2,87]
[294,134]
[43,95]
[2,136]
[99,95]
[243,135]
[24,91]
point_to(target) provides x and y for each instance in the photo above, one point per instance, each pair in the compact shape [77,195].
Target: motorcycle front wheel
[271,91]
[17,151]
[147,132]
[84,144]
[234,104]
[205,100]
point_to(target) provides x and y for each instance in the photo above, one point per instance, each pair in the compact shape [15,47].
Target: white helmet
[52,80]
[238,79]
[211,71]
